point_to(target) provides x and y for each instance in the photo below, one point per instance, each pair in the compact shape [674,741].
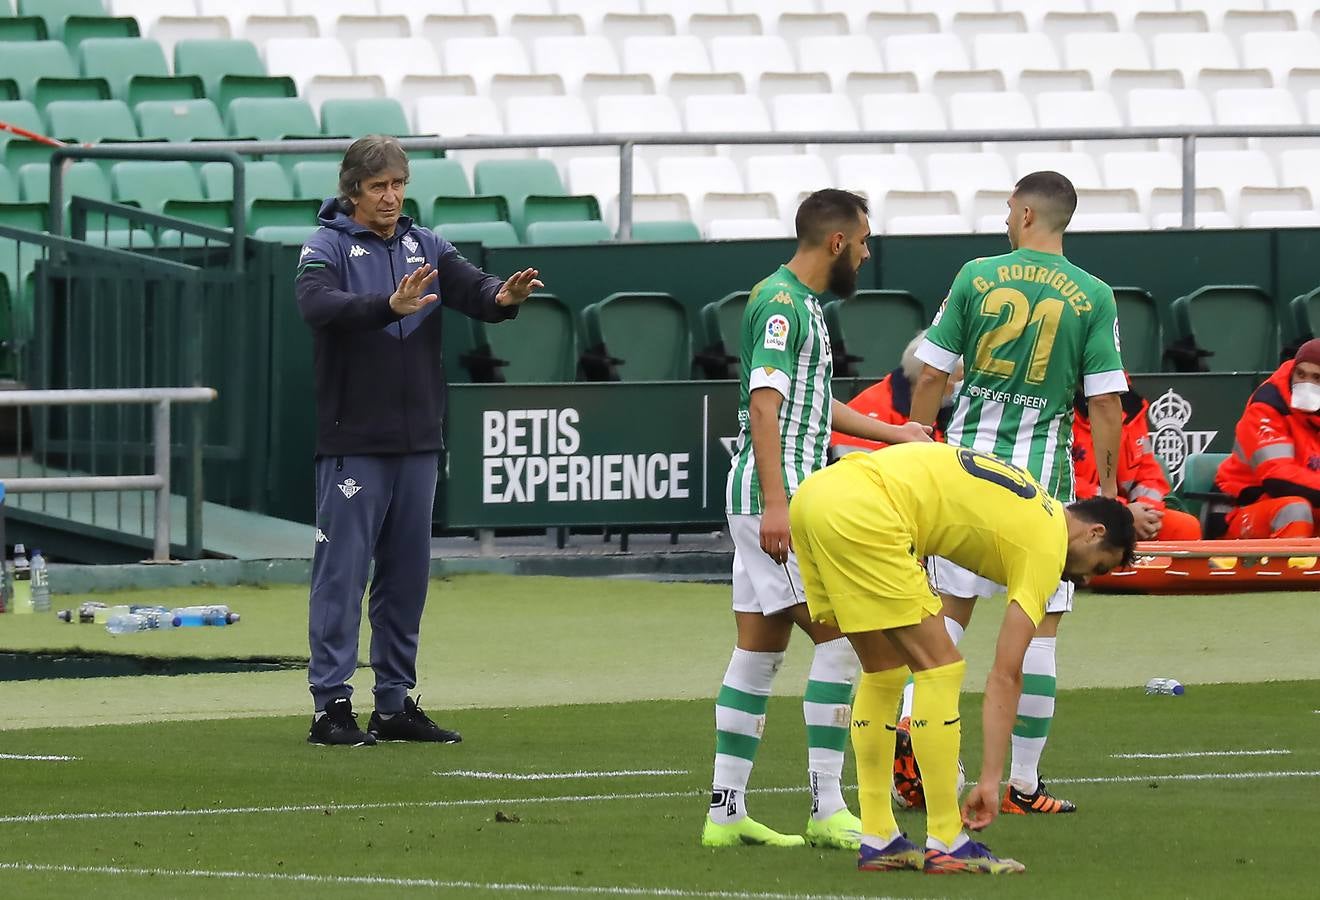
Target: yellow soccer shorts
[860,570]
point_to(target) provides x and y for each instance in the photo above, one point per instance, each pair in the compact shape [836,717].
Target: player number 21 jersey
[1031,328]
[785,347]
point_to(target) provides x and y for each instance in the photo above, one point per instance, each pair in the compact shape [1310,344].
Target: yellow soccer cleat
[841,831]
[746,832]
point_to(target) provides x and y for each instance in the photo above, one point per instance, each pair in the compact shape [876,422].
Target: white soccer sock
[827,710]
[955,634]
[937,844]
[739,723]
[1035,712]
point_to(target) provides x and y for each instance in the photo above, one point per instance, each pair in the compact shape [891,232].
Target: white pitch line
[557,776]
[39,758]
[435,883]
[1200,753]
[571,798]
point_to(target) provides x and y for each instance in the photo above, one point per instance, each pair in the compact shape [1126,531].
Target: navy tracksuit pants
[370,508]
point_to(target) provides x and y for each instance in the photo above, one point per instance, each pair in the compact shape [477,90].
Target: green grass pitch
[203,785]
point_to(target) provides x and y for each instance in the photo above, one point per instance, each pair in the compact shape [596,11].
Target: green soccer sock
[1035,712]
[739,724]
[827,709]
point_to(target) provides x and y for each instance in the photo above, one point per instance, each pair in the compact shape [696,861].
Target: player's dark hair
[1120,532]
[1058,194]
[827,211]
[366,158]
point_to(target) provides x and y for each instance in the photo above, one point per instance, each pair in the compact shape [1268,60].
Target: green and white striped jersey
[785,346]
[1032,328]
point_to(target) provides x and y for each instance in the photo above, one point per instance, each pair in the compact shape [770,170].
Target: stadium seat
[966,173]
[1060,25]
[271,118]
[711,24]
[316,179]
[815,113]
[169,30]
[661,57]
[395,59]
[429,179]
[1237,323]
[1306,315]
[28,216]
[273,212]
[1298,168]
[599,175]
[57,12]
[1141,329]
[135,69]
[89,121]
[1199,481]
[152,184]
[533,191]
[22,28]
[875,175]
[880,23]
[9,187]
[696,176]
[238,11]
[262,29]
[304,59]
[647,333]
[991,111]
[540,347]
[179,120]
[1011,53]
[746,229]
[1211,210]
[571,58]
[721,324]
[579,232]
[921,212]
[753,56]
[484,58]
[870,329]
[229,69]
[1191,52]
[484,208]
[78,29]
[1143,171]
[593,12]
[925,54]
[1280,53]
[261,179]
[22,114]
[356,118]
[457,116]
[1263,106]
[1233,170]
[1078,167]
[327,12]
[489,234]
[288,235]
[969,25]
[731,113]
[655,113]
[787,177]
[665,230]
[44,71]
[1083,109]
[553,115]
[839,56]
[904,112]
[1276,207]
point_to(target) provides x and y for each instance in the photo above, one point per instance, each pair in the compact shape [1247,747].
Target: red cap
[1309,352]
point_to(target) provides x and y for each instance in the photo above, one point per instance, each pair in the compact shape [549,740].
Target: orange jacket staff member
[1140,476]
[1274,472]
[890,400]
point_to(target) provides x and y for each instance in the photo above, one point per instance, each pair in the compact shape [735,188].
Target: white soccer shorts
[760,585]
[955,581]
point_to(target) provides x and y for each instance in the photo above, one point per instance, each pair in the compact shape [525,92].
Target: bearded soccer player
[1032,328]
[862,528]
[785,412]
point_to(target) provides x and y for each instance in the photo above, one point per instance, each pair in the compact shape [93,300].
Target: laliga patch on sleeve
[939,313]
[776,333]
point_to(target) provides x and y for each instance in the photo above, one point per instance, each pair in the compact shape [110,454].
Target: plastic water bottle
[86,613]
[1164,686]
[22,581]
[145,619]
[198,616]
[40,583]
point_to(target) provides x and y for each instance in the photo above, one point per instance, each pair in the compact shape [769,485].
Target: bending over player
[861,529]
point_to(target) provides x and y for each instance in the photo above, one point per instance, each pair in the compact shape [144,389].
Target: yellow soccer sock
[874,714]
[936,740]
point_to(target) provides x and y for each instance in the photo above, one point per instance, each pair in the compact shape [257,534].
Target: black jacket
[380,378]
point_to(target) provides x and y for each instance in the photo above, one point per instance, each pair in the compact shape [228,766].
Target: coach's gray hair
[910,365]
[366,158]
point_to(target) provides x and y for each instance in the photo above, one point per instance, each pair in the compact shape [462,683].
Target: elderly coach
[370,285]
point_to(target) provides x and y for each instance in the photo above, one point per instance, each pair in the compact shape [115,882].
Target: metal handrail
[158,482]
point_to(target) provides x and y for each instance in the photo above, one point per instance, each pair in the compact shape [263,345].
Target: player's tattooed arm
[1106,431]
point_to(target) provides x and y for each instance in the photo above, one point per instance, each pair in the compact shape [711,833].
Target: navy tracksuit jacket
[380,406]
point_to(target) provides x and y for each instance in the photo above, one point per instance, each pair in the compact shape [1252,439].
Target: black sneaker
[339,727]
[410,725]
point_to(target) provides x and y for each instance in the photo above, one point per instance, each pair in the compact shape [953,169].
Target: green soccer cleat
[746,832]
[841,831]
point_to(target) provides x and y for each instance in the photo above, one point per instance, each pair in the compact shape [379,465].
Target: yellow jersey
[977,511]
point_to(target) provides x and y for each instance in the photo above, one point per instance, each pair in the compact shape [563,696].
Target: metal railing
[627,143]
[157,481]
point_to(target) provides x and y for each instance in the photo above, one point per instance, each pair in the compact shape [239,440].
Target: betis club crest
[1170,438]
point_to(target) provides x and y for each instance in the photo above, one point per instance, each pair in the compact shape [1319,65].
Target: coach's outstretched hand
[981,805]
[408,298]
[518,287]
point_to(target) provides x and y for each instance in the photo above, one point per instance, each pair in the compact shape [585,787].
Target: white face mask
[1306,397]
[955,388]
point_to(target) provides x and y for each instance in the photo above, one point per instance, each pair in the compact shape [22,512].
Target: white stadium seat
[485,57]
[327,11]
[1233,170]
[696,176]
[1280,53]
[457,116]
[1143,171]
[260,30]
[966,173]
[1157,107]
[1166,208]
[571,58]
[1077,167]
[751,57]
[922,212]
[655,112]
[737,205]
[305,58]
[661,57]
[813,112]
[393,59]
[745,229]
[1288,206]
[787,177]
[1191,52]
[876,174]
[838,56]
[1101,54]
[1011,53]
[769,11]
[593,12]
[925,54]
[1269,106]
[1301,168]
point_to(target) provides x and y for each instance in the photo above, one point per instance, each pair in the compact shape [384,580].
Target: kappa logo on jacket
[358,250]
[349,488]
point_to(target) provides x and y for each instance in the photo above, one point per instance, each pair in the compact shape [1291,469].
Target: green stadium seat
[470,209]
[1306,315]
[78,29]
[83,178]
[179,120]
[539,347]
[589,232]
[230,69]
[151,184]
[44,71]
[533,191]
[8,187]
[21,113]
[315,179]
[361,116]
[721,322]
[288,235]
[869,331]
[265,212]
[55,12]
[263,179]
[30,216]
[212,213]
[489,234]
[432,178]
[1140,329]
[1197,493]
[9,89]
[22,28]
[18,153]
[675,230]
[1237,323]
[91,121]
[271,118]
[121,238]
[135,70]
[637,337]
